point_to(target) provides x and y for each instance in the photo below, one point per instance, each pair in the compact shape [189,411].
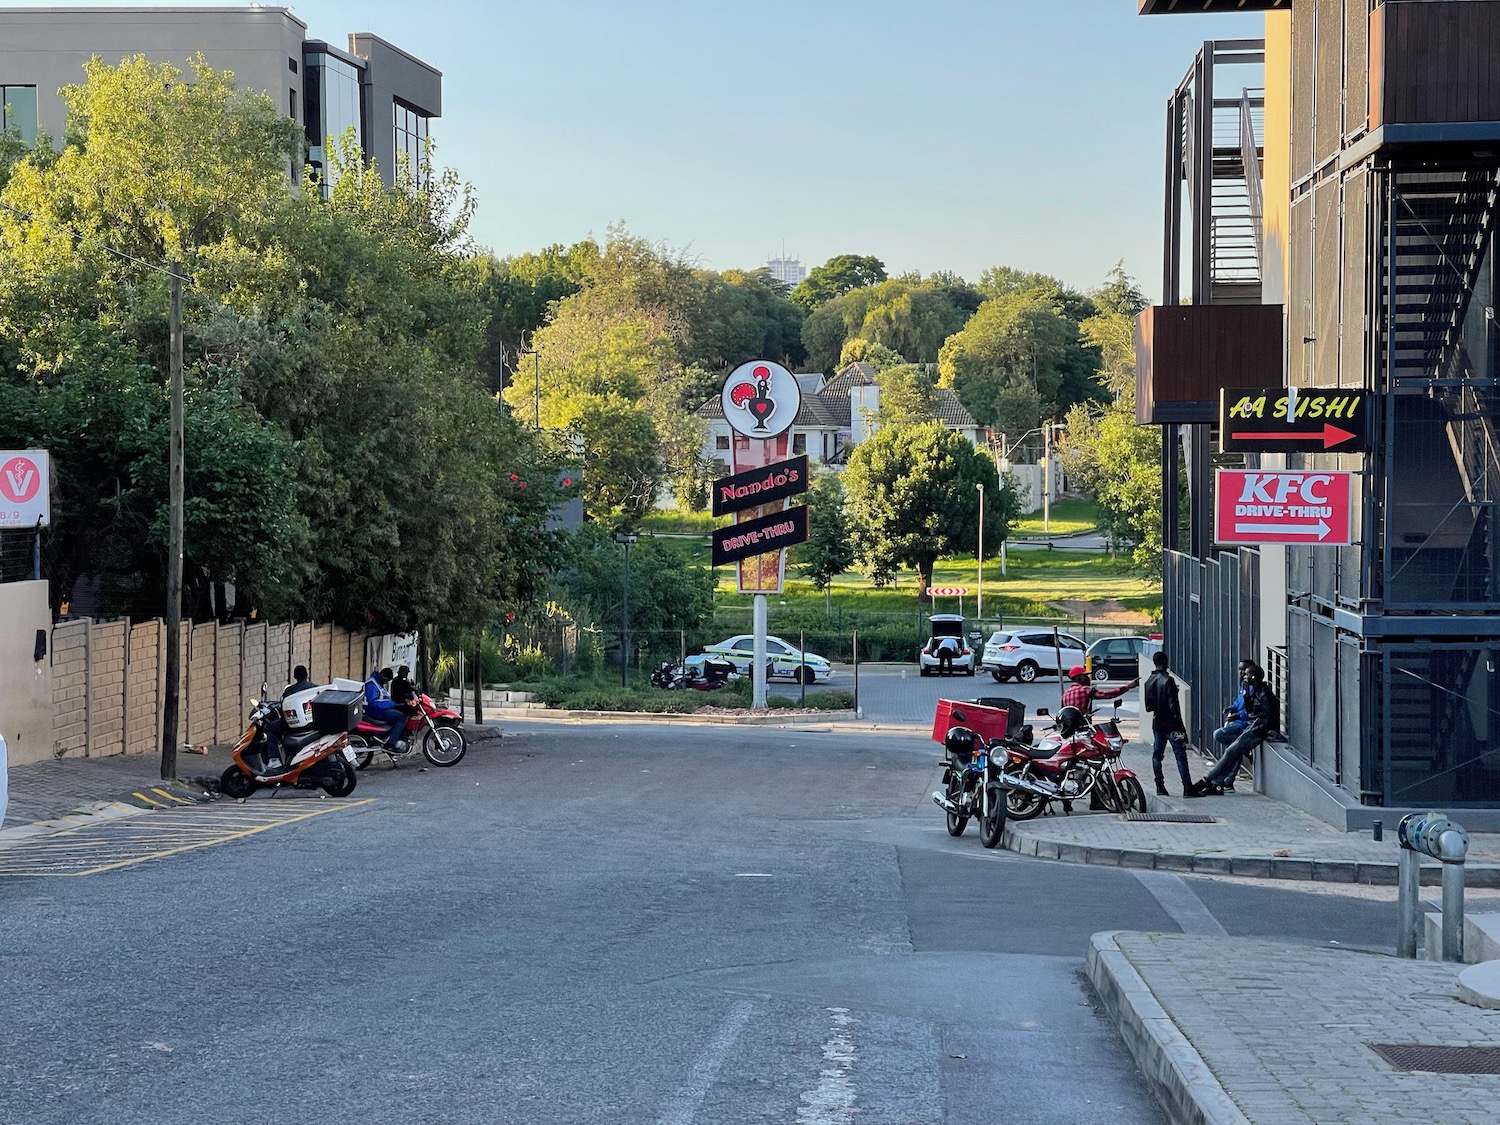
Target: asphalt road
[892,693]
[605,924]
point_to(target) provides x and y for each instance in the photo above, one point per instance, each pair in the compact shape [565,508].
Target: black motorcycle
[973,786]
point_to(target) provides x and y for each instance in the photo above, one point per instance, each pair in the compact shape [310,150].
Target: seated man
[380,709]
[277,730]
[1264,711]
[1235,716]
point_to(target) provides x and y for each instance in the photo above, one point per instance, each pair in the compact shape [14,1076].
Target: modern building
[836,415]
[388,97]
[787,270]
[1366,174]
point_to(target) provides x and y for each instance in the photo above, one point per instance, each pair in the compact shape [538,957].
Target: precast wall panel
[231,705]
[1356,67]
[106,694]
[1304,19]
[301,649]
[278,656]
[143,680]
[253,672]
[202,706]
[1326,280]
[70,688]
[321,663]
[1330,79]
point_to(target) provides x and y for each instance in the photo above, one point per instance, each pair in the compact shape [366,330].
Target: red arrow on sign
[1332,435]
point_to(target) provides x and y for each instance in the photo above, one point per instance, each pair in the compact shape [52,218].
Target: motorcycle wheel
[956,823]
[1134,797]
[341,778]
[1021,805]
[1108,794]
[236,783]
[992,825]
[362,756]
[444,746]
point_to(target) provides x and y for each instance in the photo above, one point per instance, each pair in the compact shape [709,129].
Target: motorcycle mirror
[1117,705]
[265,689]
[1044,713]
[254,703]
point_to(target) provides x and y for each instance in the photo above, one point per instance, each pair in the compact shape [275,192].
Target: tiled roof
[949,411]
[820,411]
[855,375]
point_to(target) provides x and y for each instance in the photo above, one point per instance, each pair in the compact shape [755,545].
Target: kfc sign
[25,498]
[1253,506]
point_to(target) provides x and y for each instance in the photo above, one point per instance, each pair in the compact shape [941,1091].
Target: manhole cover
[1439,1060]
[1171,817]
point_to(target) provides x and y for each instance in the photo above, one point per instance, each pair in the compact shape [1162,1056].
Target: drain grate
[1170,817]
[1439,1060]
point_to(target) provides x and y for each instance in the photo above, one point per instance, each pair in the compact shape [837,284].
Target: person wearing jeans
[1261,708]
[380,709]
[1166,725]
[1235,717]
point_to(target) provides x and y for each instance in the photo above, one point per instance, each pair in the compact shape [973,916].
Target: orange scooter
[315,759]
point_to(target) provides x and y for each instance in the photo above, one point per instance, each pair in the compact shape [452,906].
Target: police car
[782,659]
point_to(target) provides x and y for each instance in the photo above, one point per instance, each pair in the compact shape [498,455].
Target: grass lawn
[1068,518]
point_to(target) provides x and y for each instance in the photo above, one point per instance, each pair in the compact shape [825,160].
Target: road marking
[1181,903]
[752,875]
[96,848]
[172,796]
[701,1077]
[148,800]
[831,1101]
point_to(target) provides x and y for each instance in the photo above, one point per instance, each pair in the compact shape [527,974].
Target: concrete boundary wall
[107,679]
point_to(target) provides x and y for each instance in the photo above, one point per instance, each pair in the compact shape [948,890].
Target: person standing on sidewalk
[1264,710]
[1166,725]
[1081,693]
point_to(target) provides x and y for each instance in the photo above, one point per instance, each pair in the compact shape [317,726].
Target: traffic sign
[947,591]
[755,487]
[1283,507]
[758,537]
[25,496]
[1294,420]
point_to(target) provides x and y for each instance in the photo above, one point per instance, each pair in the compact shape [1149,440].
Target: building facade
[1374,215]
[789,271]
[388,97]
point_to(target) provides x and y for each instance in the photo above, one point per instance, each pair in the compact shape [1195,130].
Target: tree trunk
[924,572]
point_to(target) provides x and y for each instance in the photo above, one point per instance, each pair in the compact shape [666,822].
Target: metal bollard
[1431,834]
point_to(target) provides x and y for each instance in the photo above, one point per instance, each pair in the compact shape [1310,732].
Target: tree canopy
[836,277]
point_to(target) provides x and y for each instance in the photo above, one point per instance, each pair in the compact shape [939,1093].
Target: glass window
[411,133]
[721,442]
[743,645]
[18,111]
[799,443]
[331,109]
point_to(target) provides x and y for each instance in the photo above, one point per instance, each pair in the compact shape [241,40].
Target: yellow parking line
[54,855]
[173,797]
[148,800]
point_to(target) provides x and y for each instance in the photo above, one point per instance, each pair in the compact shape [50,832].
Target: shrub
[832,700]
[781,703]
[532,664]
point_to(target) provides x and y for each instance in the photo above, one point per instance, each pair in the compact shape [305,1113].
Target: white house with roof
[836,415]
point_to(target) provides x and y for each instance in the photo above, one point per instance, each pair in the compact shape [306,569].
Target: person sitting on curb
[1160,698]
[1082,694]
[1264,711]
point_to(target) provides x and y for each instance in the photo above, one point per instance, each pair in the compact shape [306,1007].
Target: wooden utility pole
[170,699]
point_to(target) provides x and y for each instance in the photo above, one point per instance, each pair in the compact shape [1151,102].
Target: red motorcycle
[1078,761]
[438,731]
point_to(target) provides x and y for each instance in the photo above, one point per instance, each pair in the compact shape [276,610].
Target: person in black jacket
[1166,725]
[1264,713]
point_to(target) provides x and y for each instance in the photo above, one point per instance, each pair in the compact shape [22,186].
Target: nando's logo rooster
[755,396]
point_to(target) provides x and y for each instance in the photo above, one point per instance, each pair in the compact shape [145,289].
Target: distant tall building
[789,270]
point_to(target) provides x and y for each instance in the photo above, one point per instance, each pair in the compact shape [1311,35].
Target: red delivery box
[990,717]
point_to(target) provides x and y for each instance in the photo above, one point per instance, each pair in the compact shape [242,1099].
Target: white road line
[1181,903]
[701,1077]
[831,1101]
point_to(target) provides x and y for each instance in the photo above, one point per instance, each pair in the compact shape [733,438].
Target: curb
[1173,1068]
[1481,876]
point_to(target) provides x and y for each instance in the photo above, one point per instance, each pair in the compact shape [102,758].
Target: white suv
[1025,654]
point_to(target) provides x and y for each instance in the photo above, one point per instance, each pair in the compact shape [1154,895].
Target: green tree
[829,550]
[836,277]
[911,317]
[666,593]
[913,498]
[906,397]
[1006,362]
[877,356]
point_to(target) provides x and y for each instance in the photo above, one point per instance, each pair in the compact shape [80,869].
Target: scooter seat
[295,742]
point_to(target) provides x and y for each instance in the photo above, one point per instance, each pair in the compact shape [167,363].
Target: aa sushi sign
[1283,507]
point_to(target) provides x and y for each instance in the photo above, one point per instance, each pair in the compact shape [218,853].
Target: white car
[950,627]
[782,659]
[1025,654]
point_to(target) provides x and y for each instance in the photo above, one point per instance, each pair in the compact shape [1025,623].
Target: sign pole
[758,668]
[170,699]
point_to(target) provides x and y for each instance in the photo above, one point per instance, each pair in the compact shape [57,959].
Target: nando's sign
[755,487]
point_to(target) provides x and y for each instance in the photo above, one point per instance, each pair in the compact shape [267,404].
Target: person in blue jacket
[1236,717]
[380,709]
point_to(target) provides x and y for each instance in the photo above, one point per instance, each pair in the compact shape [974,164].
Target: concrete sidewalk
[1251,836]
[1233,1031]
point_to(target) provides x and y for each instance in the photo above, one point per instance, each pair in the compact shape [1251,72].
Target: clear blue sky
[945,134]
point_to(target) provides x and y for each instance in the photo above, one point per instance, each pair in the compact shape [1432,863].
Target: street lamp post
[980,611]
[625,541]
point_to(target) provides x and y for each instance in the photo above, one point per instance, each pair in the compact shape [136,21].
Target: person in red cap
[1082,694]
